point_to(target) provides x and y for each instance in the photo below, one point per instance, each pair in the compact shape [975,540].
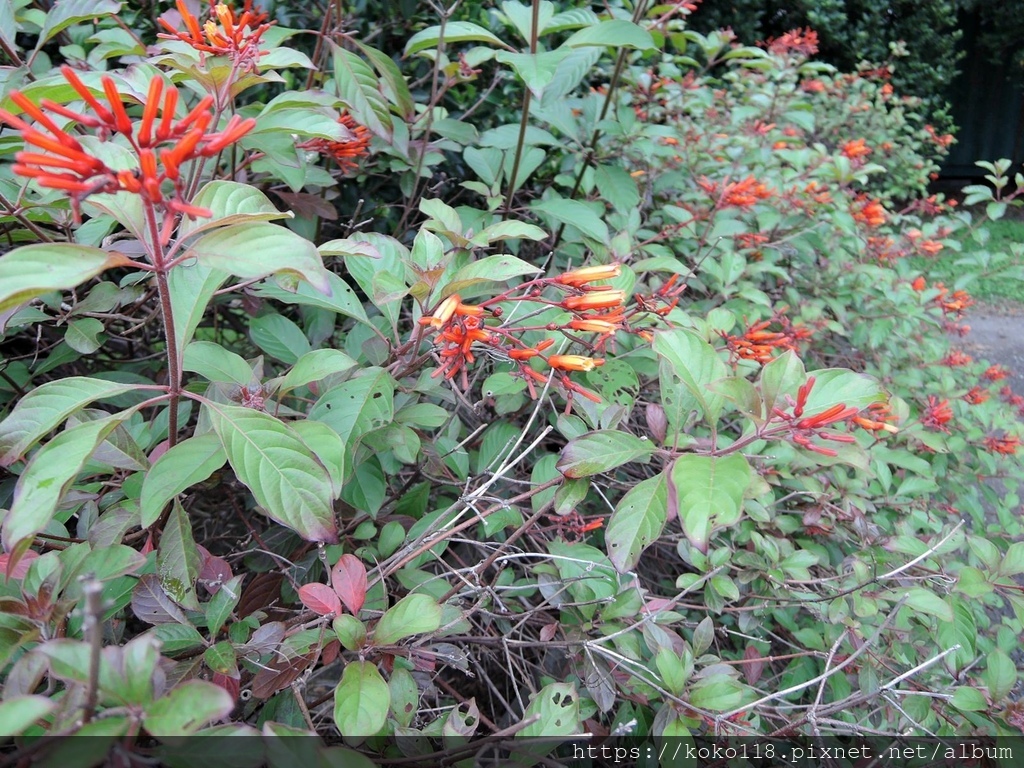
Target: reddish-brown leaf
[263,590]
[320,599]
[279,674]
[348,578]
[755,665]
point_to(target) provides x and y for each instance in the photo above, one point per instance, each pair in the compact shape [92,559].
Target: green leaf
[175,638]
[49,475]
[359,88]
[637,522]
[315,366]
[968,699]
[279,337]
[489,269]
[690,359]
[187,708]
[521,16]
[574,213]
[257,249]
[189,462]
[1000,674]
[1013,561]
[67,12]
[222,604]
[328,448]
[557,709]
[288,483]
[706,490]
[782,376]
[454,32]
[82,335]
[508,230]
[177,559]
[191,287]
[357,406]
[617,33]
[231,203]
[215,363]
[925,601]
[20,712]
[361,700]
[47,406]
[717,693]
[392,76]
[602,451]
[574,18]
[414,614]
[33,270]
[340,297]
[536,70]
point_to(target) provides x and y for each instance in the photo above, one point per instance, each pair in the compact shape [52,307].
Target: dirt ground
[997,335]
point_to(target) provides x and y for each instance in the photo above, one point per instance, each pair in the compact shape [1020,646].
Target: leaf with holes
[361,700]
[706,490]
[359,88]
[348,577]
[557,709]
[601,451]
[288,483]
[177,559]
[357,406]
[637,522]
[688,366]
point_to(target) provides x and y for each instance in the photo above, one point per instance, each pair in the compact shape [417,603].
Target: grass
[1001,280]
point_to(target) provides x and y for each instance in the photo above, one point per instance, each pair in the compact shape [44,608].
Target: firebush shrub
[539,381]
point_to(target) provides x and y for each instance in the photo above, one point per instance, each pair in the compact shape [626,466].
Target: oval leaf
[320,599]
[361,700]
[288,483]
[600,451]
[637,522]
[412,615]
[33,270]
[348,577]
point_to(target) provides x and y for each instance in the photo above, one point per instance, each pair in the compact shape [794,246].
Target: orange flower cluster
[803,42]
[346,152]
[976,395]
[738,194]
[162,145]
[803,429]
[1005,445]
[760,344]
[224,33]
[955,304]
[956,359]
[870,213]
[922,244]
[856,149]
[944,141]
[995,373]
[937,414]
[461,325]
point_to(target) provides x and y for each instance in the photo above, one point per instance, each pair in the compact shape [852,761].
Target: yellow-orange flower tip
[574,362]
[594,326]
[586,275]
[598,300]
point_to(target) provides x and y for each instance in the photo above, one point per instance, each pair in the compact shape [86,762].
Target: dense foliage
[566,374]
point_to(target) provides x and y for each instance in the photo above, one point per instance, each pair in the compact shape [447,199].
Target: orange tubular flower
[604,324]
[64,164]
[937,414]
[346,152]
[868,212]
[995,373]
[584,275]
[596,300]
[574,362]
[1005,445]
[224,33]
[856,149]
